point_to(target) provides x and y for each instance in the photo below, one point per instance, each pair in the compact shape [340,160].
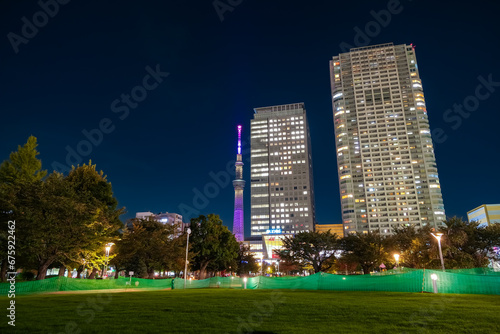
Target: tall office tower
[282,193]
[386,165]
[239,184]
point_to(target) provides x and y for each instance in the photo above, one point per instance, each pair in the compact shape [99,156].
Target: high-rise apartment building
[282,193]
[386,164]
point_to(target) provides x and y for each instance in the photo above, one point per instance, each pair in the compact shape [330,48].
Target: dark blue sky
[65,77]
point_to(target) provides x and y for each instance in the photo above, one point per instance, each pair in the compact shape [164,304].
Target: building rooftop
[282,107]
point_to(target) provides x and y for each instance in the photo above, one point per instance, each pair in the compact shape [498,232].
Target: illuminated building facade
[282,193]
[386,164]
[239,185]
[333,228]
[165,218]
[485,214]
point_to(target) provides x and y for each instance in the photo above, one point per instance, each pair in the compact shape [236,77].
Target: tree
[21,169]
[149,245]
[467,245]
[103,223]
[246,261]
[215,247]
[367,249]
[63,218]
[315,249]
[416,246]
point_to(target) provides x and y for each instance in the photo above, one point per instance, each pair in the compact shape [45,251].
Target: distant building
[333,228]
[263,246]
[256,246]
[281,185]
[165,218]
[273,240]
[485,214]
[386,165]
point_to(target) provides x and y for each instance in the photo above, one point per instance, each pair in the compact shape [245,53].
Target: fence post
[423,280]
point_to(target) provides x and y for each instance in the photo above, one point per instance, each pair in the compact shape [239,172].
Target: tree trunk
[42,270]
[203,270]
[62,270]
[3,271]
[151,273]
[93,273]
[116,273]
[366,270]
[79,272]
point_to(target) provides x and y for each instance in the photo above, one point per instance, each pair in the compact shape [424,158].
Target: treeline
[148,246]
[60,220]
[66,221]
[464,245]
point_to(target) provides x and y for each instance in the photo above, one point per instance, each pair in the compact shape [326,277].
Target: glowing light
[239,139]
[434,277]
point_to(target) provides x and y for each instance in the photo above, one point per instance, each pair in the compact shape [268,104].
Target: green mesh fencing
[56,284]
[475,271]
[462,281]
[399,280]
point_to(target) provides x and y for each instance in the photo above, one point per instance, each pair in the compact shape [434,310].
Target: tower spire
[238,184]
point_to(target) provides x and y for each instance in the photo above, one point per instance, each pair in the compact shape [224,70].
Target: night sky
[70,75]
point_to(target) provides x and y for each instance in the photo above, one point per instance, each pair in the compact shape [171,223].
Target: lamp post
[108,248]
[396,256]
[438,237]
[188,231]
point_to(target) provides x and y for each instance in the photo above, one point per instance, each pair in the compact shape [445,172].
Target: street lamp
[108,248]
[396,256]
[188,231]
[438,237]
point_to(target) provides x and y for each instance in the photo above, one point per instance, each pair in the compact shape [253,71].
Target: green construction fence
[463,281]
[56,284]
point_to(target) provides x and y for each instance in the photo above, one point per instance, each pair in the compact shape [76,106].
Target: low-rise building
[163,217]
[485,214]
[333,228]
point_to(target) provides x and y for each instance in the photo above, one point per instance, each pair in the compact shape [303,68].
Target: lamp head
[434,277]
[437,236]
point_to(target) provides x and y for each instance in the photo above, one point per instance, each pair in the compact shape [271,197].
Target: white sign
[130,273]
[277,231]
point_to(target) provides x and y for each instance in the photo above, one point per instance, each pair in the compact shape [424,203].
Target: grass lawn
[258,311]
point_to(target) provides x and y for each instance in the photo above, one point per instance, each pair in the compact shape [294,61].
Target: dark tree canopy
[215,247]
[315,249]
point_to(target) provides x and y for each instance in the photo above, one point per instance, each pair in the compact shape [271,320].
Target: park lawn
[261,311]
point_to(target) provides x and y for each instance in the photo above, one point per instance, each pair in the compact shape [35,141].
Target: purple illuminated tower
[238,184]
